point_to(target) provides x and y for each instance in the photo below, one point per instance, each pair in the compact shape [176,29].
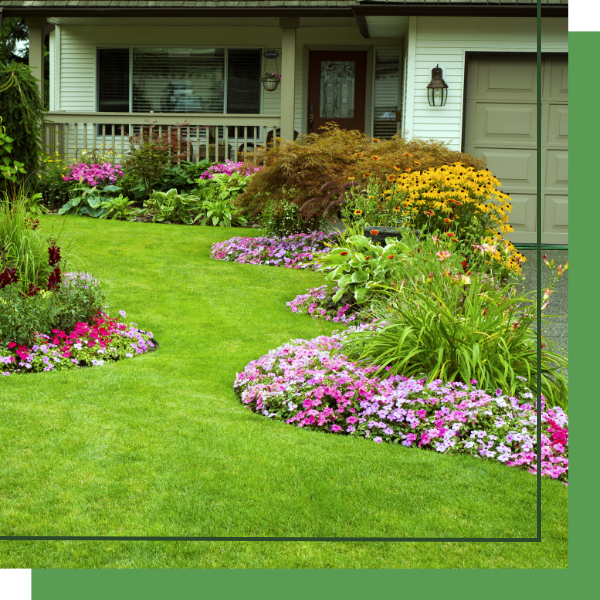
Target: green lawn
[159,445]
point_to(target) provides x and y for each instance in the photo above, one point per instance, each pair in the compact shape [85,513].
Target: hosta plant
[172,206]
[221,211]
[117,208]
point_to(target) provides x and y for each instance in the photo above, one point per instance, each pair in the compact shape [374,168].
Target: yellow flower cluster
[446,188]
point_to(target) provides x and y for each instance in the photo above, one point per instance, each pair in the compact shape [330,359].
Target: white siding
[444,41]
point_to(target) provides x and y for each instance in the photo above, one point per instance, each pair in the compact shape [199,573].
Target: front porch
[216,137]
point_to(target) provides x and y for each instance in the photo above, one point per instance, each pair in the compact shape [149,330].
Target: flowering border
[307,385]
[103,340]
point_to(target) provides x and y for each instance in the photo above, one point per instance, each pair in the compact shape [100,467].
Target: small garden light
[437,89]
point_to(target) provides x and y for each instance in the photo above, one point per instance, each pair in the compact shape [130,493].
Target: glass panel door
[337,89]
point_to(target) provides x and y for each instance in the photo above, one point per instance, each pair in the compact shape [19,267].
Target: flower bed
[104,339]
[304,385]
[293,252]
[318,303]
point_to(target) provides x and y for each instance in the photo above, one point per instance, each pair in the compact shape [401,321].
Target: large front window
[179,80]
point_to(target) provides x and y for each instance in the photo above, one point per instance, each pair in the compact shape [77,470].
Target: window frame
[131,49]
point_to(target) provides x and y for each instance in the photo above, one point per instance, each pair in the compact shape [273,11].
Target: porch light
[437,89]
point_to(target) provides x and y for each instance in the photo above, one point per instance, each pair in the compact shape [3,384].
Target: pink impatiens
[94,174]
[307,385]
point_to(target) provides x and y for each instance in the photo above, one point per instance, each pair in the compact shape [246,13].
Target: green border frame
[584,92]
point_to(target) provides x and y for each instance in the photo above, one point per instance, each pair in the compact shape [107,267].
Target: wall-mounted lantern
[437,89]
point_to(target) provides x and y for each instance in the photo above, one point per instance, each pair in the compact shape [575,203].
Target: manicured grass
[159,445]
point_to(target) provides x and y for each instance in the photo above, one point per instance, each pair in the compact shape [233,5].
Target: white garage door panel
[500,126]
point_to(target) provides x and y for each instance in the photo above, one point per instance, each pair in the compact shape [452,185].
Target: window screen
[184,80]
[387,97]
[113,81]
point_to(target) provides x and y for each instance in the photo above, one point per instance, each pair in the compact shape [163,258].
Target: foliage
[280,219]
[334,157]
[293,252]
[77,297]
[171,206]
[52,185]
[25,250]
[361,267]
[10,170]
[456,327]
[12,31]
[22,111]
[152,152]
[183,176]
[311,385]
[117,208]
[89,201]
[33,204]
[88,344]
[221,211]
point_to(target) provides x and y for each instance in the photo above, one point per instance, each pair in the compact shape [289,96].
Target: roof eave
[356,10]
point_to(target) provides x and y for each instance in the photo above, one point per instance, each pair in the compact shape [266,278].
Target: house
[364,64]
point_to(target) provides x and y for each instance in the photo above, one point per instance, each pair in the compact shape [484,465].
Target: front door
[337,89]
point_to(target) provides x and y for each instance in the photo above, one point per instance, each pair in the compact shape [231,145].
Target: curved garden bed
[307,385]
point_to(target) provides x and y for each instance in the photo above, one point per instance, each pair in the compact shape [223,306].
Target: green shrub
[333,157]
[77,299]
[22,112]
[280,219]
[23,247]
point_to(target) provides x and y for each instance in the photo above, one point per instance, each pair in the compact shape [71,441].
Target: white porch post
[288,75]
[36,49]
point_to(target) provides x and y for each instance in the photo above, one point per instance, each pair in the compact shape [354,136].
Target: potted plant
[270,81]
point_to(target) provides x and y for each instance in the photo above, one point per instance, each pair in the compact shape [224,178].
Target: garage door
[501,126]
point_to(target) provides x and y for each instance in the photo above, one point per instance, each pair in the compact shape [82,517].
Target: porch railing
[216,137]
